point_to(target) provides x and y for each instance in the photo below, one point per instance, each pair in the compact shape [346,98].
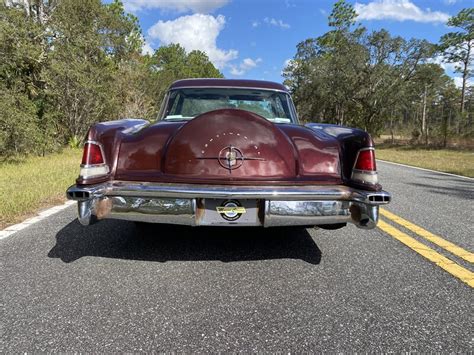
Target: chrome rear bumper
[186,204]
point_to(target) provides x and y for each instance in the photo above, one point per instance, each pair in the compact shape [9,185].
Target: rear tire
[332,226]
[142,229]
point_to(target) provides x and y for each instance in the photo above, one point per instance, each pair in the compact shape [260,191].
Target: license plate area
[228,212]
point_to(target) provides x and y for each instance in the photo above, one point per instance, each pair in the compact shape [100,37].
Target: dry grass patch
[34,183]
[449,161]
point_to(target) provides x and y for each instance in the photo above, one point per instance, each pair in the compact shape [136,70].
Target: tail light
[365,169]
[93,162]
[92,154]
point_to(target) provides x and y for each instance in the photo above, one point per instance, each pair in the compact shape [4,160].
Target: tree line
[65,64]
[385,83]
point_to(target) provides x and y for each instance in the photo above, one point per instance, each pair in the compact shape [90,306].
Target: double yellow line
[443,262]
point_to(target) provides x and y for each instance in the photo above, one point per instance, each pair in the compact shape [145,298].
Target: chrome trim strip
[223,191]
[287,193]
[227,87]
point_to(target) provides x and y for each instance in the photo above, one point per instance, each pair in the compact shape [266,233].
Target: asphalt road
[104,288]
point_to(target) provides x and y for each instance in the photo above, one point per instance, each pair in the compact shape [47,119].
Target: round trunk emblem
[230,158]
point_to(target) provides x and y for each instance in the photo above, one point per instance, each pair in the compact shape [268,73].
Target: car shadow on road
[462,190]
[161,243]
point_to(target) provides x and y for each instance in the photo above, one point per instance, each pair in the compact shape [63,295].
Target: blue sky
[253,39]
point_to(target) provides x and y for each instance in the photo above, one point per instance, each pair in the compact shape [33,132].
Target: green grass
[35,183]
[449,161]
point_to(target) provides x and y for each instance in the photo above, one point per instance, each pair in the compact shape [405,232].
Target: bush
[18,125]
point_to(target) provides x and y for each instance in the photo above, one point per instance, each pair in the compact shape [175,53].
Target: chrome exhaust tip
[364,216]
[85,213]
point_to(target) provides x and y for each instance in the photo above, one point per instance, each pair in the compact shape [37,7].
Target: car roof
[234,83]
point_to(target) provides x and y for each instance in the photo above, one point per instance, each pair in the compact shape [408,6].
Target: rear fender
[108,135]
[351,140]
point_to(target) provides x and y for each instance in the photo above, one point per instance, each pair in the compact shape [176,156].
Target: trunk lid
[230,144]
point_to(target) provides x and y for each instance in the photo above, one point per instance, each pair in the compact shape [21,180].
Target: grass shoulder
[35,183]
[460,162]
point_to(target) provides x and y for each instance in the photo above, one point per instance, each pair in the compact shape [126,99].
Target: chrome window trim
[164,104]
[293,109]
[227,87]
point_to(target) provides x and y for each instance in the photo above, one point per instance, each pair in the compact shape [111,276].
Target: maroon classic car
[228,153]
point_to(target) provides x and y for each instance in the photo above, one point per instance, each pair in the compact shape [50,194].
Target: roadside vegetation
[384,83]
[68,64]
[460,162]
[34,183]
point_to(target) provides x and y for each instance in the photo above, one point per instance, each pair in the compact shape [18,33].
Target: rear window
[185,104]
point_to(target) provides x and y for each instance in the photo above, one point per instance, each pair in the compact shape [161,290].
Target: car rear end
[229,167]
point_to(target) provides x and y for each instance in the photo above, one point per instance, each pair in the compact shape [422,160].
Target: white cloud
[196,6]
[450,2]
[195,32]
[147,49]
[458,82]
[398,10]
[449,67]
[234,70]
[250,63]
[275,22]
[245,66]
[271,22]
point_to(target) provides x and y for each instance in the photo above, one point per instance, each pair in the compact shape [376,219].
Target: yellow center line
[443,243]
[443,262]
